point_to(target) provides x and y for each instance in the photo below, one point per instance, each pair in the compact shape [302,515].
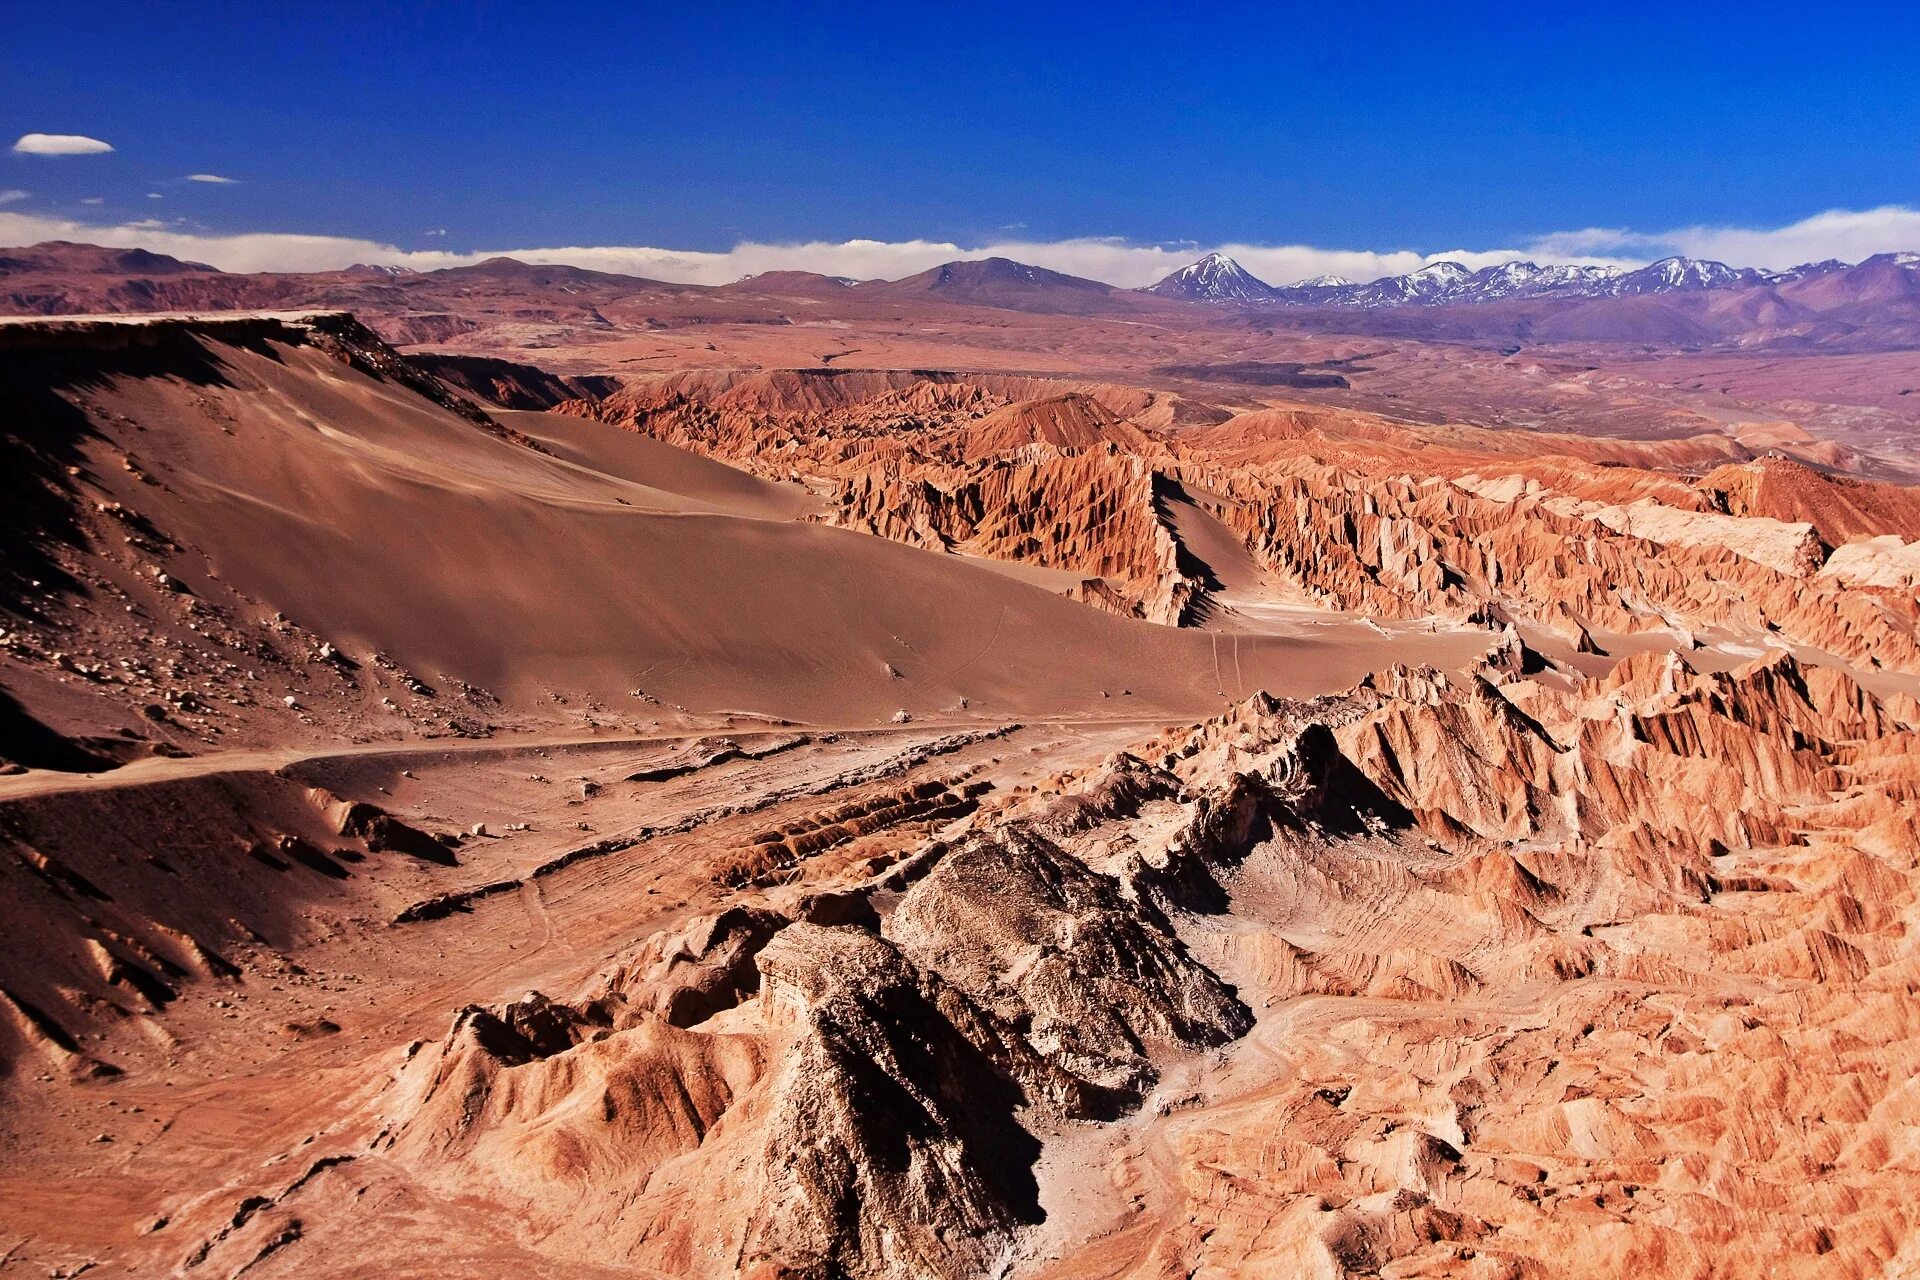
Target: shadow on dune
[44,436]
[25,741]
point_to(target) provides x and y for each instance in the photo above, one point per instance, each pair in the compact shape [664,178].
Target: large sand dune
[553,556]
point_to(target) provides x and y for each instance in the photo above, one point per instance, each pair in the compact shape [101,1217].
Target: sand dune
[537,557]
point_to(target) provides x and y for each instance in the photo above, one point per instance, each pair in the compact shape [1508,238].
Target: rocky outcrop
[1606,926]
[1044,472]
[1348,512]
[893,1141]
[1096,982]
[871,1088]
[1090,513]
[1449,967]
[1388,543]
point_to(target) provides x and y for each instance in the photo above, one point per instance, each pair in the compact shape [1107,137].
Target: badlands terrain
[521,771]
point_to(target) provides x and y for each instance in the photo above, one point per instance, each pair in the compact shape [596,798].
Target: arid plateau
[525,771]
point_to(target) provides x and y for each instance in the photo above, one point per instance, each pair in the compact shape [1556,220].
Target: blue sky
[1350,127]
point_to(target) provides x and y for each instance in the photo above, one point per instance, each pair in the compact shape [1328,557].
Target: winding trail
[160,769]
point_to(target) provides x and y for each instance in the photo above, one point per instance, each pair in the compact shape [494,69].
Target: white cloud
[260,251]
[437,231]
[1593,240]
[13,196]
[1100,258]
[1837,233]
[94,200]
[213,178]
[59,144]
[155,195]
[1847,234]
[1840,233]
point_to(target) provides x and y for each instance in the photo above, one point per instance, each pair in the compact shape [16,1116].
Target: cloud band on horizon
[1848,234]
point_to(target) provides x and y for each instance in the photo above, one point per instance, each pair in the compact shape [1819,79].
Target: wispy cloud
[214,178]
[1848,234]
[1838,233]
[13,196]
[94,200]
[59,144]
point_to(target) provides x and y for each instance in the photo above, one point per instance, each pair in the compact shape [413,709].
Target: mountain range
[1680,302]
[1218,278]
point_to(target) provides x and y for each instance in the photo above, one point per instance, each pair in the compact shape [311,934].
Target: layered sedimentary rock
[865,1089]
[1474,974]
[1045,473]
[1343,511]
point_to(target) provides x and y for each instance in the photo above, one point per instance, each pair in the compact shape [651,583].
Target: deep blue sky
[699,125]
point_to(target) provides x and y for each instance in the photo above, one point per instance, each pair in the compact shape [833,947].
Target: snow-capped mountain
[1670,274]
[1449,283]
[1446,283]
[1806,271]
[1529,280]
[1430,283]
[1569,278]
[1215,278]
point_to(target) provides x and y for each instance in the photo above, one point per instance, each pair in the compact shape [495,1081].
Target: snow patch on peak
[1214,278]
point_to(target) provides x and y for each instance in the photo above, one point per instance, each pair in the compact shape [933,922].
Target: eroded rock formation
[1343,511]
[1452,974]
